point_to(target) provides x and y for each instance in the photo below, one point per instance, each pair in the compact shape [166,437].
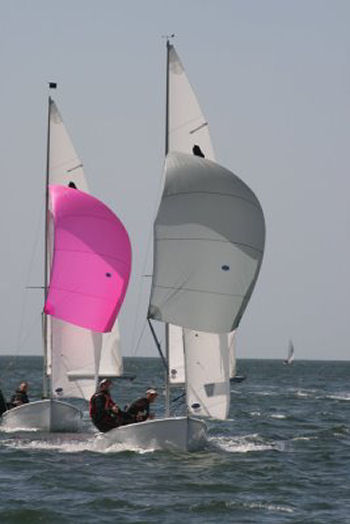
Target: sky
[272,78]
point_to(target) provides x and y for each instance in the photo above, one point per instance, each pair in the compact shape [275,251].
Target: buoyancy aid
[108,404]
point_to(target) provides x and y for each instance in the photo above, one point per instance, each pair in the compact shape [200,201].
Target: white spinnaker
[207,363]
[232,353]
[74,353]
[208,246]
[187,124]
[176,362]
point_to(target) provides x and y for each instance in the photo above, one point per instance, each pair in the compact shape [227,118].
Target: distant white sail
[207,363]
[290,357]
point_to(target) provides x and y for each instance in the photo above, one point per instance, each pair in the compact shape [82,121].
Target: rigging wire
[134,347]
[22,336]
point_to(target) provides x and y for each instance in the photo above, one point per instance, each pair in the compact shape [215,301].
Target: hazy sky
[273,79]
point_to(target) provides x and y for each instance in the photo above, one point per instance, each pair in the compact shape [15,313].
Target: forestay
[212,224]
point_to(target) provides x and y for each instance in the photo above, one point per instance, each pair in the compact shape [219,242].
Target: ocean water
[283,456]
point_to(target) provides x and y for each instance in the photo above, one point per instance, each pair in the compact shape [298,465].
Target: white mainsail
[111,362]
[176,363]
[207,363]
[187,126]
[188,132]
[76,356]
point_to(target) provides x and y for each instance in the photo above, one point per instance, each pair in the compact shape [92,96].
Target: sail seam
[99,297]
[227,195]
[211,240]
[101,255]
[199,291]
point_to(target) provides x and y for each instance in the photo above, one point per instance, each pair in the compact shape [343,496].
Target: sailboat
[290,357]
[208,245]
[74,356]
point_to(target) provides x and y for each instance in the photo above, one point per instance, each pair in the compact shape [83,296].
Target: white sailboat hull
[176,433]
[43,415]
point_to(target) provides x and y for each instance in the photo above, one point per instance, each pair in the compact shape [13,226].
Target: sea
[283,456]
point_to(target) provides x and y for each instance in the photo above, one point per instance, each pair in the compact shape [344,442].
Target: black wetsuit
[138,411]
[101,413]
[19,398]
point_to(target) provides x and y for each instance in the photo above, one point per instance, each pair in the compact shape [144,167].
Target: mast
[167,385]
[46,392]
[168,46]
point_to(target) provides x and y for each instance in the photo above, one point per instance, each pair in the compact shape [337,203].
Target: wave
[270,507]
[243,444]
[69,444]
[339,396]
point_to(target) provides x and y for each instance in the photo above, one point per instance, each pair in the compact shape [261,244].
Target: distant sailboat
[208,245]
[72,351]
[290,357]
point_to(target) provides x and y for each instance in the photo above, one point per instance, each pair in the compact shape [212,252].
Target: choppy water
[283,456]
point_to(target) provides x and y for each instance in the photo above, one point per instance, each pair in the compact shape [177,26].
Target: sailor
[139,410]
[104,412]
[20,397]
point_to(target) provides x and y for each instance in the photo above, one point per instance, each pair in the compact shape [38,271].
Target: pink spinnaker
[91,261]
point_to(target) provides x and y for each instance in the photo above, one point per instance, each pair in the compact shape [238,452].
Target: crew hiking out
[104,412]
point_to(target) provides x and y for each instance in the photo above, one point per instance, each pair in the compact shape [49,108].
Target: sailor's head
[151,394]
[105,384]
[23,386]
